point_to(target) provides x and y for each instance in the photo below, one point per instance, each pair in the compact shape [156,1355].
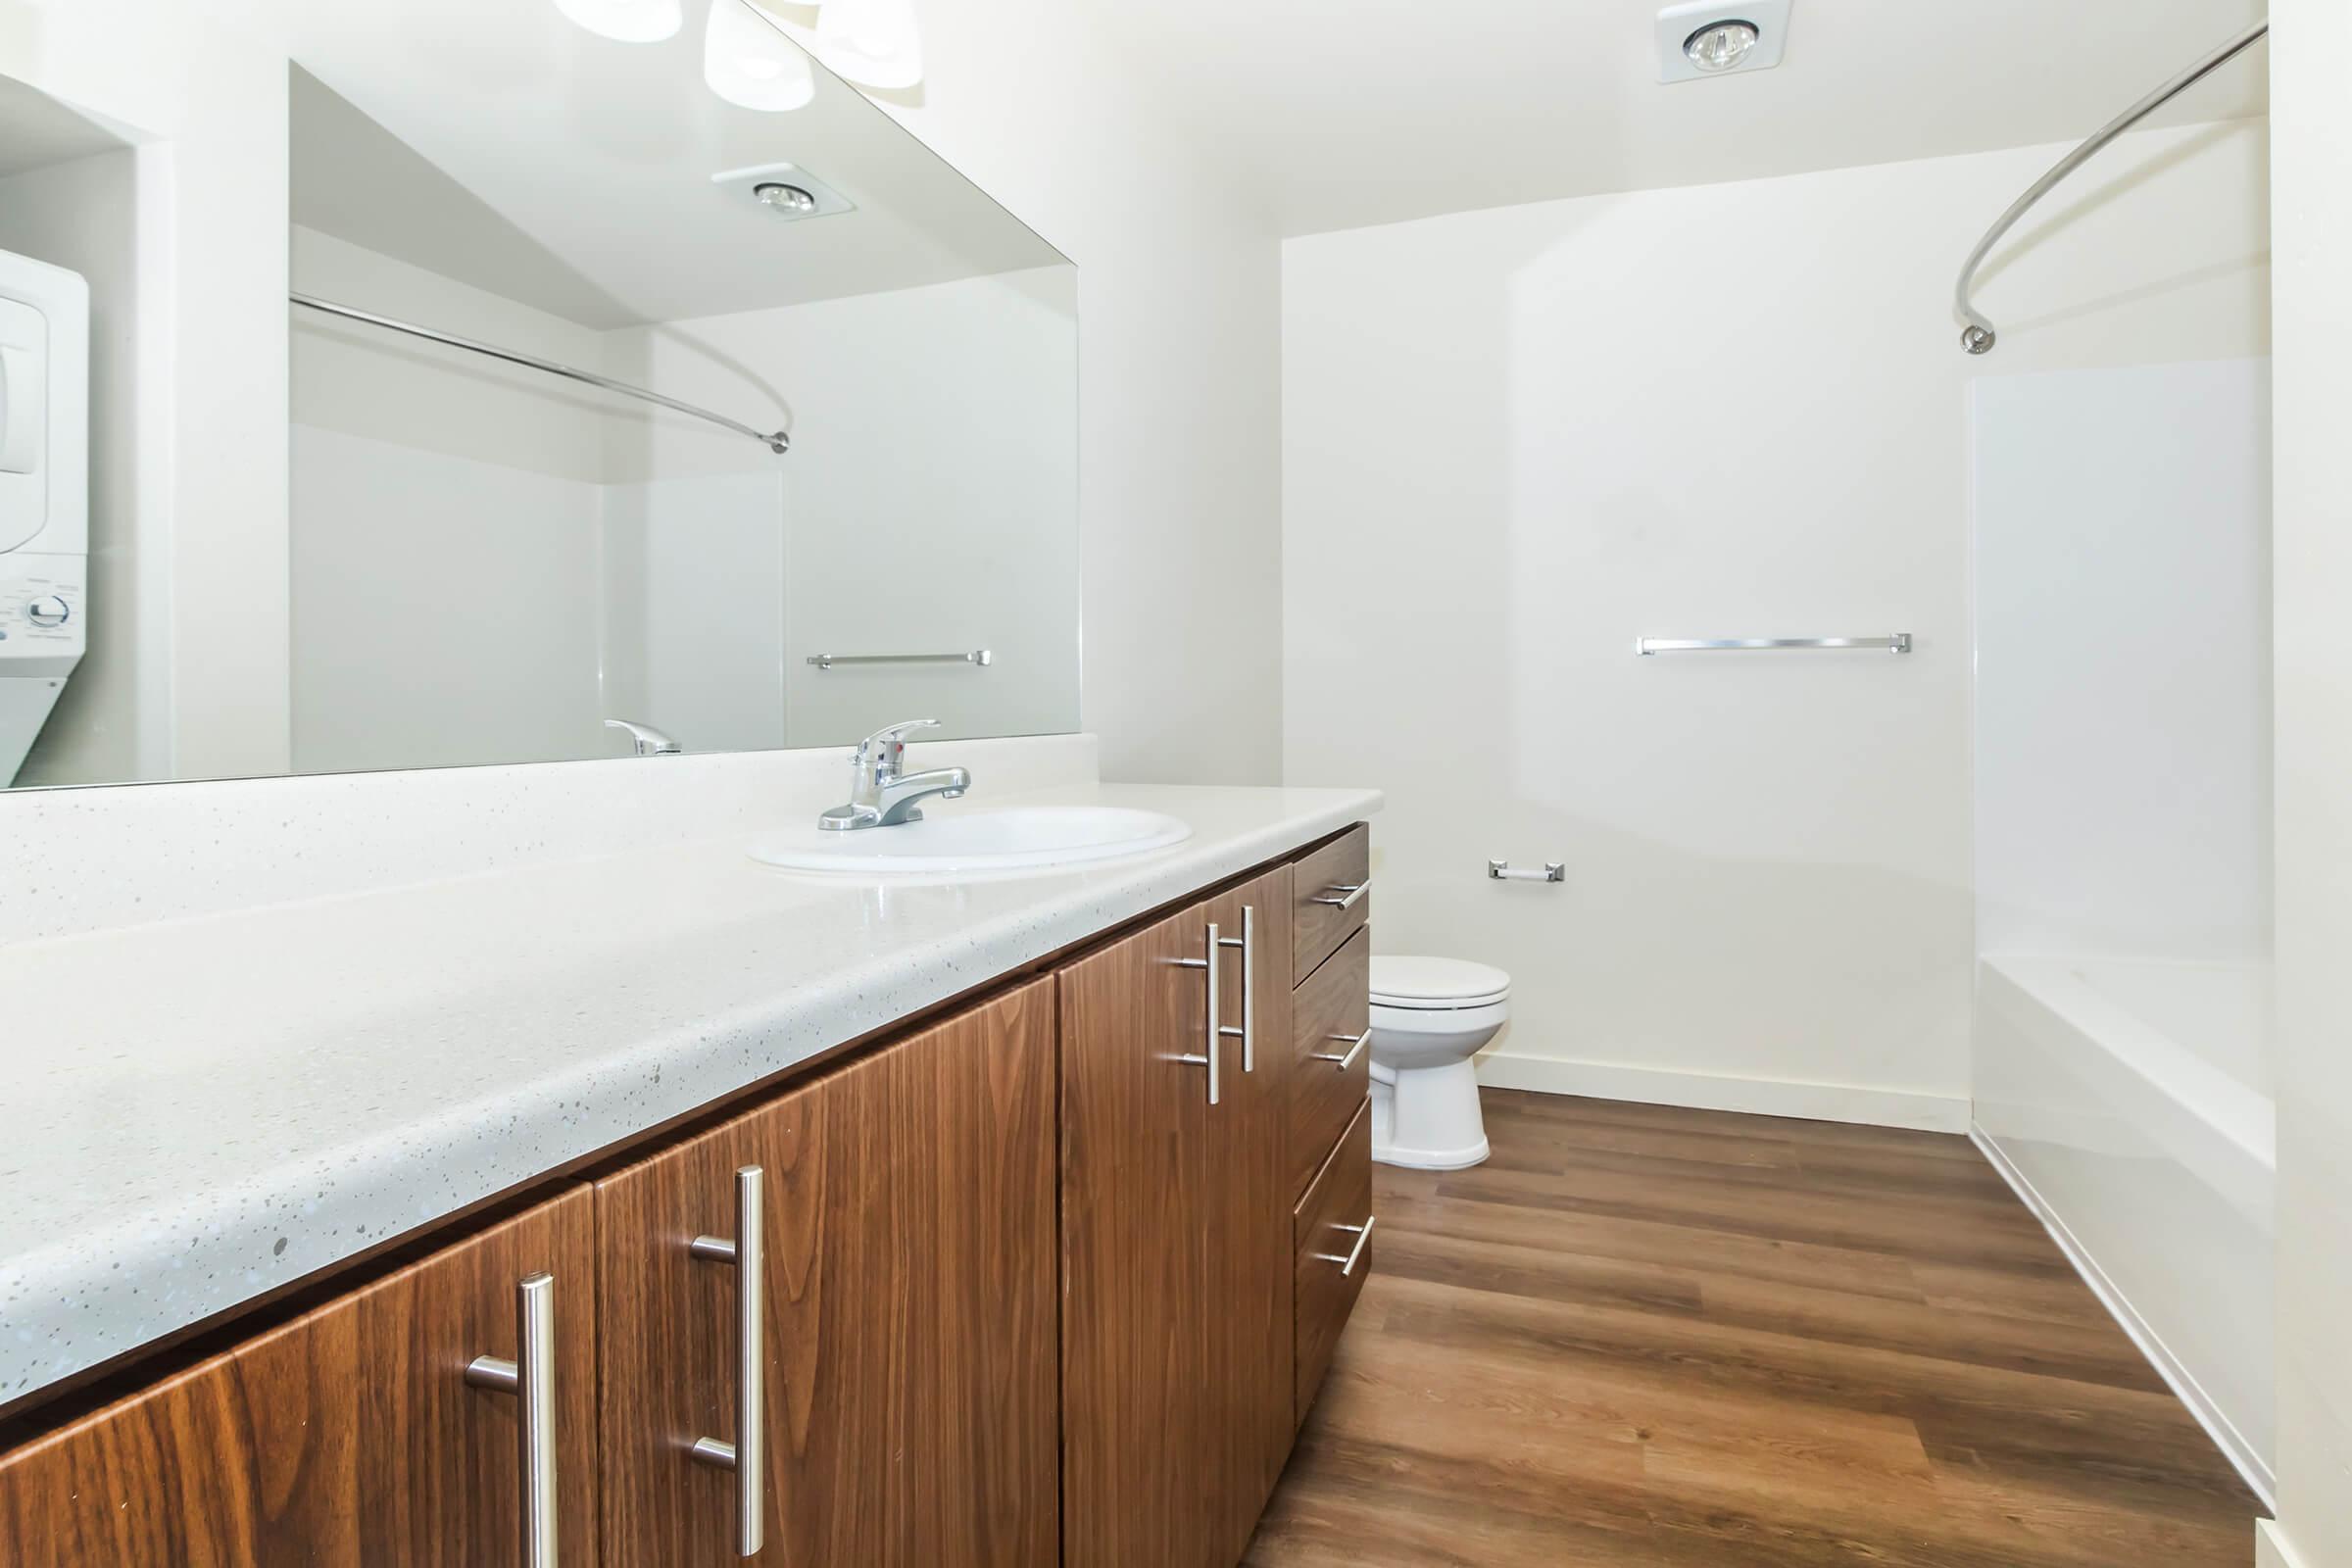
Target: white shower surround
[2123,1038]
[2128,1103]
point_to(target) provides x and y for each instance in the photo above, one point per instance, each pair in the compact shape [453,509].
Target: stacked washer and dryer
[44,495]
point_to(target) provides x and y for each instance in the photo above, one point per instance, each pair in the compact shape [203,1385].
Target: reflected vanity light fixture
[751,65]
[626,21]
[875,44]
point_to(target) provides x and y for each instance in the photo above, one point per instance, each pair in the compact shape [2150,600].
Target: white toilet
[1428,1017]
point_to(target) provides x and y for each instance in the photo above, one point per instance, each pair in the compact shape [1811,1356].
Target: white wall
[1179,373]
[487,560]
[2123,611]
[929,503]
[448,603]
[2313,388]
[696,607]
[206,470]
[1517,440]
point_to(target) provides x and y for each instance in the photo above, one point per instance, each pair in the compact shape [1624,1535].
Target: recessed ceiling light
[787,190]
[1720,45]
[1719,38]
[793,201]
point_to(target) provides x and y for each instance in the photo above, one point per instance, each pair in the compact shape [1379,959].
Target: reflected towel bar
[1899,642]
[978,656]
[778,441]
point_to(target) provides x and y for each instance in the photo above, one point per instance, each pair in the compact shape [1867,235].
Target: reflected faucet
[645,740]
[880,796]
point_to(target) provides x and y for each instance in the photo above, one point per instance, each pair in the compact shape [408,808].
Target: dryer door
[23,423]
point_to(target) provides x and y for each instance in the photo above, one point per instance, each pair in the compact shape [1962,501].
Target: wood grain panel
[1176,1318]
[1136,1356]
[1660,1337]
[1322,1229]
[1332,1007]
[1249,1237]
[910,1319]
[1326,873]
[347,1436]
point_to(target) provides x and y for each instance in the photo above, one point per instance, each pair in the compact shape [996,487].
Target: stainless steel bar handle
[747,1455]
[1354,1255]
[1353,890]
[531,1378]
[1355,1046]
[1247,1031]
[1208,1056]
[1213,1045]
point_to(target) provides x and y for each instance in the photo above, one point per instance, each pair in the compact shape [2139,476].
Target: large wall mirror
[485,559]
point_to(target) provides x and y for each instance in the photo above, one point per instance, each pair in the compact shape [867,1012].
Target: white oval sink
[1011,838]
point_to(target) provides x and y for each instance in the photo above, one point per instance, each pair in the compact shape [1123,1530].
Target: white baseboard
[2272,1548]
[1701,1091]
[2235,1448]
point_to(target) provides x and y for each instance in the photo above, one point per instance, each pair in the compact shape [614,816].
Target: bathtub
[2129,1103]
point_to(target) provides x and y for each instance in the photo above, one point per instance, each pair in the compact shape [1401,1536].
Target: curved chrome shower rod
[1979,337]
[779,442]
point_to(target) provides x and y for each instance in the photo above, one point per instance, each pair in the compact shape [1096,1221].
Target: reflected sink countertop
[224,1104]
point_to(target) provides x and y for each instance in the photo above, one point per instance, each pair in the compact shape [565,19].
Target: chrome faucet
[880,796]
[644,739]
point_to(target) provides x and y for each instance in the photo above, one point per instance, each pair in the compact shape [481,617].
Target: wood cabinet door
[1141,1466]
[1176,1236]
[1250,1200]
[910,1320]
[349,1435]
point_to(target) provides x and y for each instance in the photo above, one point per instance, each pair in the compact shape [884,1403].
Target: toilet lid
[1407,982]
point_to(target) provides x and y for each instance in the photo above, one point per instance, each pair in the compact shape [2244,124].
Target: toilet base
[1427,1118]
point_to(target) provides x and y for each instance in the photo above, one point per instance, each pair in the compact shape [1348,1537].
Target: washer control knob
[48,611]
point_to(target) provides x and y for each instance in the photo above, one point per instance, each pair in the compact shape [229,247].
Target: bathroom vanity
[1047,1271]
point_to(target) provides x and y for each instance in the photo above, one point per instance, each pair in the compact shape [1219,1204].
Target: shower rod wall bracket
[779,442]
[1979,336]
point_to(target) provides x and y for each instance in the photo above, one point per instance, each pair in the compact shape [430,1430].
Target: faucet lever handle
[890,740]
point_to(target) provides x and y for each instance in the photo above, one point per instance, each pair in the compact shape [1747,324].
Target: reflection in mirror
[502,230]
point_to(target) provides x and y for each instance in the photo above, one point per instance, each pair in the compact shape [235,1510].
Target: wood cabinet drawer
[1333,893]
[348,1435]
[1331,1229]
[1331,1060]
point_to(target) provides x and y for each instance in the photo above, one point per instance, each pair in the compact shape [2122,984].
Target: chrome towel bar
[1899,642]
[978,656]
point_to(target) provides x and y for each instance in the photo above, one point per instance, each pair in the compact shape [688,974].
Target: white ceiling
[495,142]
[1336,114]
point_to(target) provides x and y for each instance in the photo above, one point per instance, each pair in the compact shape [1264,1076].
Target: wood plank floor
[1672,1338]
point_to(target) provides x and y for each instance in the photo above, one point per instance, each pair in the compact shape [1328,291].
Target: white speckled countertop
[210,1108]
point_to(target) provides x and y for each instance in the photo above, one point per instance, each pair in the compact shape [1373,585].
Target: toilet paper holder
[1554,871]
